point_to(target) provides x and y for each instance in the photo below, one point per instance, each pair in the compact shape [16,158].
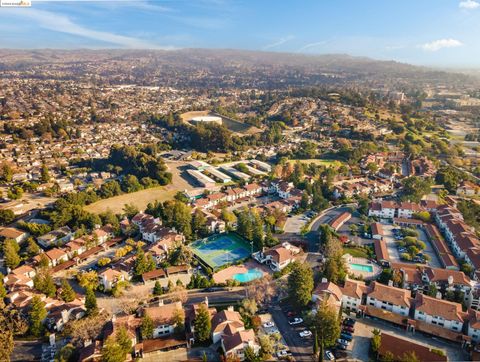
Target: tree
[6,172]
[300,285]
[327,325]
[178,320]
[3,291]
[414,188]
[409,356]
[143,263]
[376,341]
[250,355]
[202,324]
[112,351]
[147,327]
[91,302]
[266,346]
[199,224]
[88,280]
[65,354]
[15,193]
[157,289]
[10,252]
[124,340]
[6,216]
[44,174]
[37,315]
[43,282]
[32,247]
[67,294]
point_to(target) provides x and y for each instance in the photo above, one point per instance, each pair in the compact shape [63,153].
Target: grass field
[219,250]
[322,162]
[355,252]
[140,199]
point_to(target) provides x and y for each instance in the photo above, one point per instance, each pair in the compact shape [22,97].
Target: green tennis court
[222,249]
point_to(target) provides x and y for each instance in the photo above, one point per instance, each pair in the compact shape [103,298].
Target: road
[302,349]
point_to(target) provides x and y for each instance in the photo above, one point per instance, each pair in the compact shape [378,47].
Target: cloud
[469,4]
[279,42]
[61,23]
[311,45]
[440,44]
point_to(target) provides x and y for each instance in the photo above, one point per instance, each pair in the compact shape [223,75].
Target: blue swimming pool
[362,267]
[252,274]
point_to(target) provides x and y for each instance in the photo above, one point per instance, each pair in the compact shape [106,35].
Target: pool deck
[227,274]
[366,275]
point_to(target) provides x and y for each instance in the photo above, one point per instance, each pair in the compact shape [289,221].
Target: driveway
[434,261]
[295,223]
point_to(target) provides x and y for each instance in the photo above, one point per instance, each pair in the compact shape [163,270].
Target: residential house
[278,257]
[226,323]
[352,294]
[164,317]
[109,278]
[56,237]
[234,345]
[13,233]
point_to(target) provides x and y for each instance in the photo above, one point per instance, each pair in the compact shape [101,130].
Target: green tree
[43,282]
[91,302]
[414,188]
[3,291]
[36,316]
[6,172]
[327,325]
[300,285]
[67,294]
[147,327]
[32,247]
[250,355]
[112,351]
[199,224]
[202,324]
[123,339]
[10,253]
[157,289]
[15,193]
[376,341]
[143,263]
[6,216]
[44,174]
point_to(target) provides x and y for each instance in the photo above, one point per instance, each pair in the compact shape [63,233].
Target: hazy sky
[431,32]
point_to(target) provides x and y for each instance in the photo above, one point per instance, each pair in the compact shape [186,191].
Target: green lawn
[355,252]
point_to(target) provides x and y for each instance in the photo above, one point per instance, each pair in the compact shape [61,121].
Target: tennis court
[219,250]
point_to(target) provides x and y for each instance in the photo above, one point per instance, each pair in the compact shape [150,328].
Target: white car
[305,334]
[330,355]
[295,321]
[284,353]
[269,324]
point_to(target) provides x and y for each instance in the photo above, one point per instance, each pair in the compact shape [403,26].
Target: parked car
[346,336]
[295,321]
[306,333]
[329,355]
[284,353]
[341,346]
[348,328]
[291,313]
[268,324]
[343,342]
[349,322]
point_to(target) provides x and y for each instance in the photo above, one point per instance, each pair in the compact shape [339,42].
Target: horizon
[426,34]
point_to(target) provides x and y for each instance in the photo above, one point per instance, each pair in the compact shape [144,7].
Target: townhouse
[56,237]
[109,278]
[389,298]
[14,234]
[439,312]
[352,294]
[386,209]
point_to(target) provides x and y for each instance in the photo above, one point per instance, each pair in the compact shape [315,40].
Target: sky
[443,33]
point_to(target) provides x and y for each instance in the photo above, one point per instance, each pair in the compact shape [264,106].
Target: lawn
[140,199]
[355,252]
[321,162]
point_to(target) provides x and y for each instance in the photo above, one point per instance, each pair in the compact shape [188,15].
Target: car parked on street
[343,342]
[284,353]
[329,355]
[305,334]
[346,336]
[295,321]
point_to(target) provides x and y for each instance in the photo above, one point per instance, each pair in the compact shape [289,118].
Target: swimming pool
[252,274]
[362,268]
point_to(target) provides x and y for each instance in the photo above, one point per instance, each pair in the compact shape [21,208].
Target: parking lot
[363,333]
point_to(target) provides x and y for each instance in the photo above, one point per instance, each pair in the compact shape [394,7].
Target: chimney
[230,308]
[438,295]
[324,280]
[206,301]
[390,283]
[114,318]
[160,302]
